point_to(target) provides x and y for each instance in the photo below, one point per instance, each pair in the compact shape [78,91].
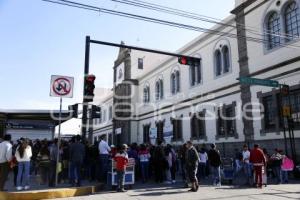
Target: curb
[51,194]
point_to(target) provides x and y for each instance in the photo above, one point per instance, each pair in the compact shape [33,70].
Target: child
[121,159]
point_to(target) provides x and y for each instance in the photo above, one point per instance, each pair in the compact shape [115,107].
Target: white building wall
[259,57]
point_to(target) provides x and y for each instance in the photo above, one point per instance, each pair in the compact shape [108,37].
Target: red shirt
[121,159]
[257,156]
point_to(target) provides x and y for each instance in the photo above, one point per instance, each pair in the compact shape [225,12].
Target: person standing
[43,159]
[203,157]
[121,159]
[215,164]
[276,160]
[23,156]
[104,150]
[192,161]
[182,156]
[257,158]
[77,154]
[5,158]
[159,162]
[173,163]
[53,158]
[286,166]
[144,157]
[246,164]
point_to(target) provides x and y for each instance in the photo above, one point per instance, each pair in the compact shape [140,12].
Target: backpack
[287,164]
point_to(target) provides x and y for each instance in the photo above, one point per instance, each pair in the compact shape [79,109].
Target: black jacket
[214,158]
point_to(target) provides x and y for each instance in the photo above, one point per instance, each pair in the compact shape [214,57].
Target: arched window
[192,75]
[177,81]
[273,30]
[218,62]
[159,89]
[198,72]
[291,19]
[173,83]
[146,94]
[226,62]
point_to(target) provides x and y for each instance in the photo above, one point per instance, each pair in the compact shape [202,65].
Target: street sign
[61,86]
[286,111]
[256,81]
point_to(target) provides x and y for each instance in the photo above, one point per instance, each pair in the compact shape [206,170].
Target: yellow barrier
[50,194]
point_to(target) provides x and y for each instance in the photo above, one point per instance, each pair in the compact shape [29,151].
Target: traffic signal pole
[86,72]
[142,49]
[187,61]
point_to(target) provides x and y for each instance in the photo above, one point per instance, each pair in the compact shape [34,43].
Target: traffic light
[96,112]
[89,87]
[187,60]
[74,110]
[285,90]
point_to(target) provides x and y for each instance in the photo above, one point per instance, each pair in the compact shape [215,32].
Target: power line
[158,21]
[191,15]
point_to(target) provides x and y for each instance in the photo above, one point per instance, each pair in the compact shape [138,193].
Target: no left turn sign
[61,86]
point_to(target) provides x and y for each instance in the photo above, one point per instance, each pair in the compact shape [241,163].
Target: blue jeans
[276,170]
[201,170]
[145,170]
[103,167]
[120,179]
[75,168]
[284,176]
[247,169]
[23,174]
[216,172]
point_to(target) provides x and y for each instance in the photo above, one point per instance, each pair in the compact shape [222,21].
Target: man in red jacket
[121,159]
[258,159]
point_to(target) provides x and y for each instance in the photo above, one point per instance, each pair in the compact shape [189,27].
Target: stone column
[244,71]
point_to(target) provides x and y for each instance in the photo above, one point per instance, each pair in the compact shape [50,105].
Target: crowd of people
[162,163]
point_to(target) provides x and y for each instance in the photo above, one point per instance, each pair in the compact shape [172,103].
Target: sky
[39,39]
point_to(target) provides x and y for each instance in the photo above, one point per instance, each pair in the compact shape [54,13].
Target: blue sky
[39,39]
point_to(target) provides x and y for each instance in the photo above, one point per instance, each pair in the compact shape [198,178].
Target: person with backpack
[215,164]
[192,161]
[286,166]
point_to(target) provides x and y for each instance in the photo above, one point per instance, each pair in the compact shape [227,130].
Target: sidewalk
[37,191]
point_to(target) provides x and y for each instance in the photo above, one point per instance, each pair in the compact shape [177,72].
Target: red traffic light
[187,60]
[183,60]
[91,78]
[89,87]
